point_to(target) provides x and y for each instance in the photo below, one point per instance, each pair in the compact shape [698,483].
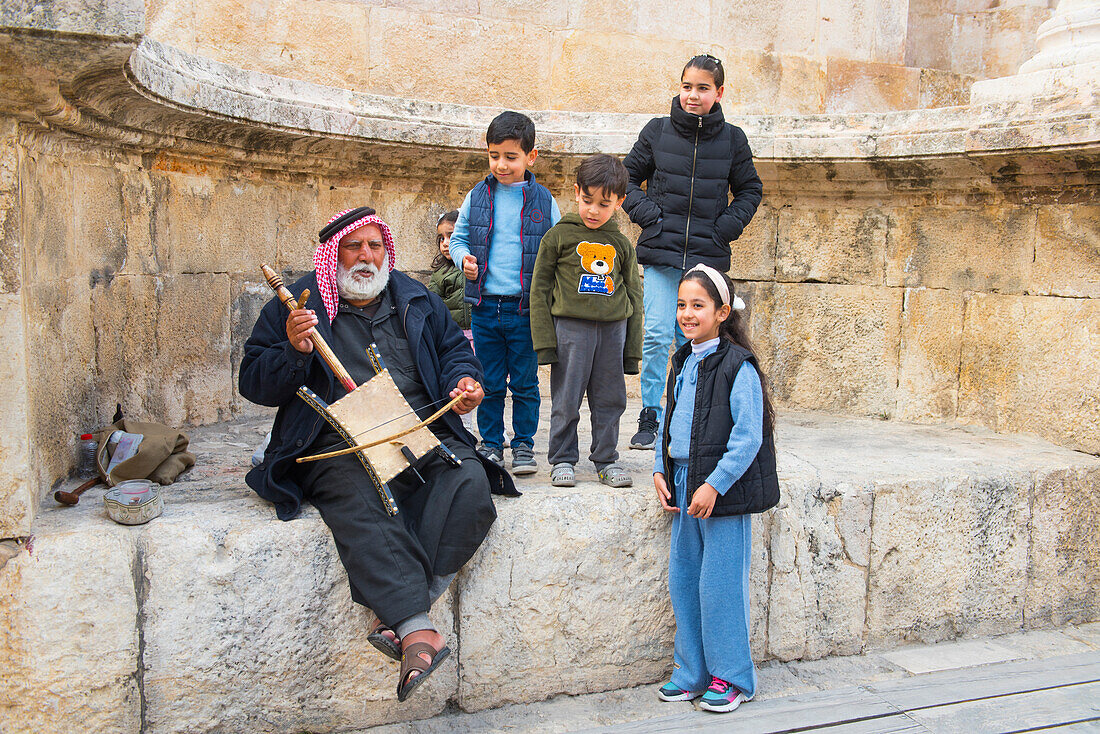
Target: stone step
[216,616]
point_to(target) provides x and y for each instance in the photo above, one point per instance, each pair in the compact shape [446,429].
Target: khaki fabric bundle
[161,456]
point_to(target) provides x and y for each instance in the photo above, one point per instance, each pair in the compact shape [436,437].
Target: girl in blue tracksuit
[715,465]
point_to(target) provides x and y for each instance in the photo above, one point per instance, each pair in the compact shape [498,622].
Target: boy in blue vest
[496,238]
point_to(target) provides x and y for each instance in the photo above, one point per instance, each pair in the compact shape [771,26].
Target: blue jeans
[708,579]
[661,330]
[502,340]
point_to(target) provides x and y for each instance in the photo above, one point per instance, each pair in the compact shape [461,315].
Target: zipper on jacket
[519,309]
[691,194]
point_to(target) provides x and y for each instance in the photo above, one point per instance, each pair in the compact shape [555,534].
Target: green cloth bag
[161,456]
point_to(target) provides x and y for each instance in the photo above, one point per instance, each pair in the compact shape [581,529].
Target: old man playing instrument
[370,375]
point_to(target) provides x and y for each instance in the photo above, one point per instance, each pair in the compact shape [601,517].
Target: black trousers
[391,560]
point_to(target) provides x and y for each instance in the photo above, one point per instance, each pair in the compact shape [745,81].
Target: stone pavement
[216,616]
[1015,682]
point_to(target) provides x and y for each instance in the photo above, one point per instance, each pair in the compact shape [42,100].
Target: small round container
[133,502]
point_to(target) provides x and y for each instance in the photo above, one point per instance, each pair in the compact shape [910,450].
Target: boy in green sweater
[586,321]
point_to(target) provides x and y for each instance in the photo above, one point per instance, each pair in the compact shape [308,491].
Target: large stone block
[782,26]
[61,368]
[764,83]
[1032,364]
[829,347]
[257,631]
[819,550]
[752,255]
[931,347]
[289,39]
[863,31]
[863,86]
[1067,251]
[648,88]
[943,88]
[49,236]
[948,557]
[540,12]
[538,620]
[986,249]
[17,500]
[68,634]
[465,65]
[174,364]
[11,266]
[1064,571]
[216,223]
[831,245]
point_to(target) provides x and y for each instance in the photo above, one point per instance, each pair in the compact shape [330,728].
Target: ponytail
[735,330]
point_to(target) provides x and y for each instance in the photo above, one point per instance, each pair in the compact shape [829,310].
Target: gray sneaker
[523,459]
[493,454]
[562,475]
[614,475]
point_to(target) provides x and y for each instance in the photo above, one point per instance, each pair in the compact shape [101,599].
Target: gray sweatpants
[590,360]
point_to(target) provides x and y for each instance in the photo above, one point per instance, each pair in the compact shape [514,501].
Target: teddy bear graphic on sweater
[597,260]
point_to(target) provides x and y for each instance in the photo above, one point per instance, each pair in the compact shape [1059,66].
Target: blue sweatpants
[708,579]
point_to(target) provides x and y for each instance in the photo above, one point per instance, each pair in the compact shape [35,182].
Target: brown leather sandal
[391,648]
[411,662]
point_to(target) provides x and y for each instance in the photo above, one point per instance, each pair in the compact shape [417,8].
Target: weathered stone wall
[796,56]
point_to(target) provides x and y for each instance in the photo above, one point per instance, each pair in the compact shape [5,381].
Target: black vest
[758,488]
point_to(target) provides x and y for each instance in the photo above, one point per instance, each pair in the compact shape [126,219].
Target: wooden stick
[276,282]
[387,439]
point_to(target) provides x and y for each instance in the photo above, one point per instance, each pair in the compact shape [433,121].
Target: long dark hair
[735,330]
[439,261]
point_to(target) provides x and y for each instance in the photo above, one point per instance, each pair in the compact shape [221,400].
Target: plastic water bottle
[86,459]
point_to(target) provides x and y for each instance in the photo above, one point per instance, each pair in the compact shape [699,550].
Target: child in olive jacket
[447,281]
[586,321]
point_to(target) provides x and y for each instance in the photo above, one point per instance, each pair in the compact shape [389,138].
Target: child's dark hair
[440,260]
[706,62]
[512,126]
[736,330]
[603,172]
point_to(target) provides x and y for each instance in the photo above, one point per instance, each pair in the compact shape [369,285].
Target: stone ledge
[216,614]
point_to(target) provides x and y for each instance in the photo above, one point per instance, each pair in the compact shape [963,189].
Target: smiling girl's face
[698,315]
[698,92]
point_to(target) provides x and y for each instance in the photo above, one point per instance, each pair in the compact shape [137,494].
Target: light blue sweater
[746,406]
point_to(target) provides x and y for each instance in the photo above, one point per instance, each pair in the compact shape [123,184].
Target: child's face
[596,206]
[697,313]
[443,238]
[508,163]
[697,91]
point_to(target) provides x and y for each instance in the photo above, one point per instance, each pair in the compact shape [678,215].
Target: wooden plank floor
[1060,695]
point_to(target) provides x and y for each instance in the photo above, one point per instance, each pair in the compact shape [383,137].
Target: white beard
[353,287]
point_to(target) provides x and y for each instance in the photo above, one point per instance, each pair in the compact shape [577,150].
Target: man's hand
[474,395]
[702,502]
[299,325]
[469,267]
[663,494]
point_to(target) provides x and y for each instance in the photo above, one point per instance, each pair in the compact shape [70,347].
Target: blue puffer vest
[534,223]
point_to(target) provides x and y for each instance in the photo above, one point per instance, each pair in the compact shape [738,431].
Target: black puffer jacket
[690,164]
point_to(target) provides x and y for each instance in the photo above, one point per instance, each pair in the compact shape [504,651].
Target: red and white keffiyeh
[325,258]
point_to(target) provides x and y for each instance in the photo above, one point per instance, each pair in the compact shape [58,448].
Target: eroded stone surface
[831,245]
[68,633]
[258,629]
[1067,251]
[1065,558]
[17,496]
[1032,364]
[829,347]
[969,539]
[931,347]
[543,609]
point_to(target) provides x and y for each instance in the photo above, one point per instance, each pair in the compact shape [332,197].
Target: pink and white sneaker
[669,692]
[721,697]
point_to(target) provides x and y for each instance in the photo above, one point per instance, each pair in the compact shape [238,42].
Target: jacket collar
[687,123]
[574,219]
[528,180]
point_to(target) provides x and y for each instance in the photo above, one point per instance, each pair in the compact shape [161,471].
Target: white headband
[720,284]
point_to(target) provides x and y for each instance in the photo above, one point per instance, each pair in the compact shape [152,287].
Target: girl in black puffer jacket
[690,162]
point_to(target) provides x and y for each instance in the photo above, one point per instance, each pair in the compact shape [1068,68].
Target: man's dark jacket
[272,370]
[691,163]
